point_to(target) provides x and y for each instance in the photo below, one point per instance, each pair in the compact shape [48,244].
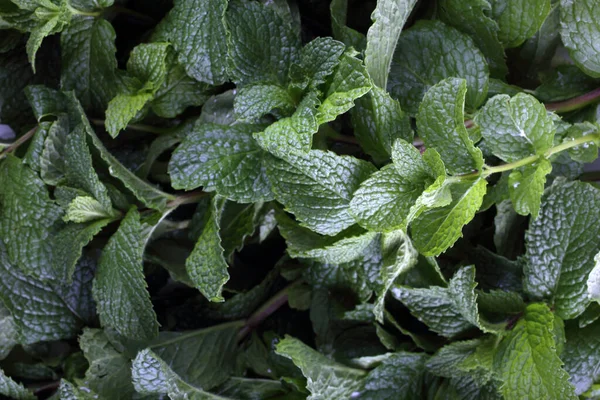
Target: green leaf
[28,220]
[317,61]
[561,245]
[231,163]
[204,358]
[52,160]
[203,52]
[349,82]
[262,45]
[38,310]
[472,18]
[587,152]
[450,54]
[253,102]
[68,391]
[378,121]
[447,311]
[13,390]
[437,229]
[399,256]
[317,187]
[538,374]
[109,372]
[526,185]
[57,18]
[342,248]
[518,20]
[579,30]
[9,336]
[122,109]
[327,379]
[120,289]
[440,123]
[206,266]
[399,377]
[581,356]
[86,209]
[388,19]
[89,65]
[517,127]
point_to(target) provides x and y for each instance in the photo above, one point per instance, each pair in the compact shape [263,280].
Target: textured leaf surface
[526,185]
[13,390]
[388,18]
[253,102]
[203,52]
[440,122]
[581,356]
[561,245]
[516,127]
[437,229]
[450,54]
[326,379]
[222,158]
[519,19]
[8,332]
[206,266]
[120,289]
[527,361]
[579,32]
[317,187]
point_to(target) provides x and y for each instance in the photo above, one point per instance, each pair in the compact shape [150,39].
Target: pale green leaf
[517,127]
[527,362]
[86,209]
[526,186]
[440,123]
[437,229]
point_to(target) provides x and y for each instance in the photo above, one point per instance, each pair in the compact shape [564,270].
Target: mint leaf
[388,18]
[38,310]
[578,30]
[413,71]
[378,121]
[593,281]
[317,61]
[317,187]
[526,185]
[347,35]
[473,19]
[383,201]
[232,163]
[253,102]
[399,256]
[120,289]
[440,123]
[89,66]
[516,127]
[447,311]
[581,356]
[561,245]
[28,214]
[262,45]
[86,209]
[52,163]
[202,52]
[13,390]
[401,376]
[532,342]
[148,67]
[8,332]
[326,379]
[206,266]
[518,19]
[109,372]
[437,229]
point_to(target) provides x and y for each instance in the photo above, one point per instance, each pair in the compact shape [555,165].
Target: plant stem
[487,171]
[84,13]
[18,142]
[137,127]
[575,103]
[187,198]
[272,305]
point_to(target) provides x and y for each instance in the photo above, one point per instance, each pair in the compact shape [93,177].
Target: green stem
[188,198]
[487,171]
[84,13]
[137,127]
[574,103]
